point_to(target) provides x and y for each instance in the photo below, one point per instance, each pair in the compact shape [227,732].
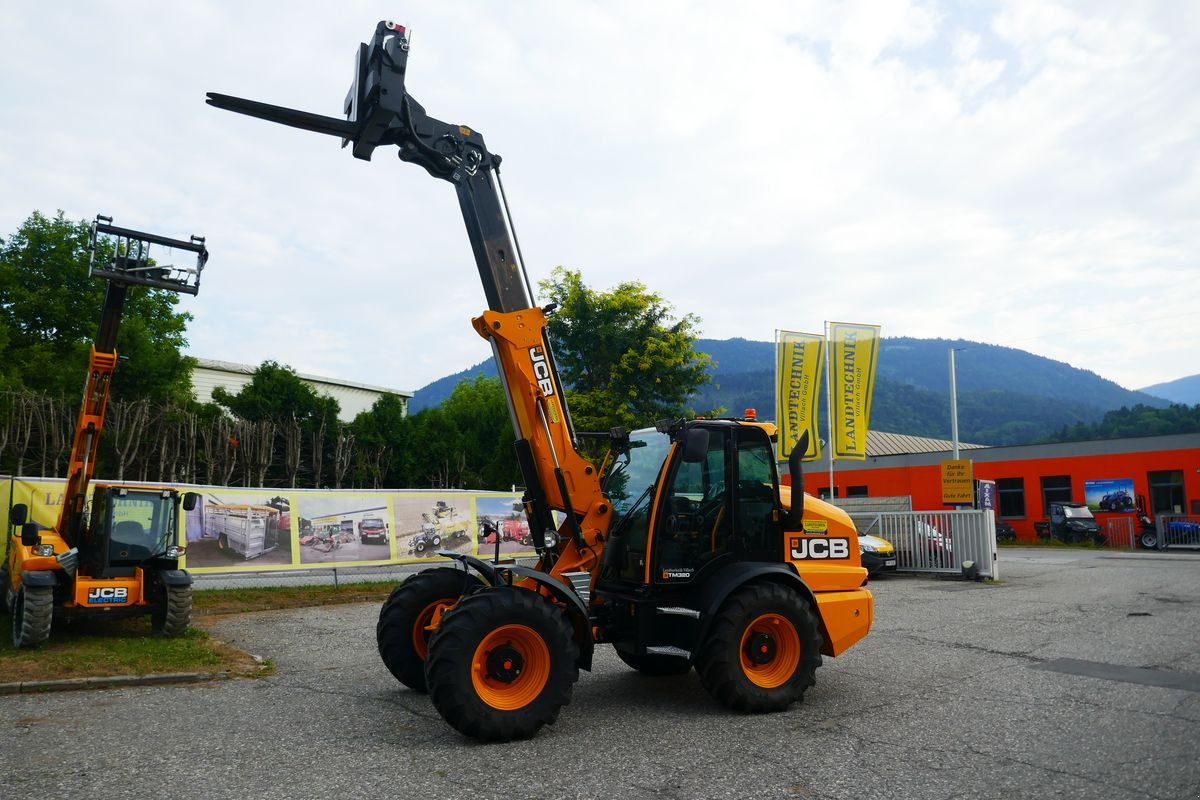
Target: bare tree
[169,446]
[186,437]
[220,451]
[7,419]
[375,460]
[449,473]
[126,422]
[293,438]
[318,450]
[25,417]
[60,428]
[257,449]
[343,453]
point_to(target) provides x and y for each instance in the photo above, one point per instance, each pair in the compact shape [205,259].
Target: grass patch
[266,598]
[103,648]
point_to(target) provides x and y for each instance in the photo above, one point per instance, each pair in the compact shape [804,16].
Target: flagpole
[829,409]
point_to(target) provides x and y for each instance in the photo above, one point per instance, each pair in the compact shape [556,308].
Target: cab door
[720,508]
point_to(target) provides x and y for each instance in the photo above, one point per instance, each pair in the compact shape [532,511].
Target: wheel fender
[717,590]
[38,577]
[576,610]
[175,577]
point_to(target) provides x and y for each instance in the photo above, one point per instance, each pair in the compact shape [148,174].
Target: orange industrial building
[1162,471]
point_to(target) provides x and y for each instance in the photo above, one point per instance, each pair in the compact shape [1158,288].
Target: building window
[856,491]
[1010,494]
[1166,492]
[1055,489]
[823,493]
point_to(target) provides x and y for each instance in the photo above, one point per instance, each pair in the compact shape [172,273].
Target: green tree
[464,443]
[50,311]
[623,356]
[302,422]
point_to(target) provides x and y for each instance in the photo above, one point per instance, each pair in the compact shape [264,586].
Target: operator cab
[130,527]
[689,500]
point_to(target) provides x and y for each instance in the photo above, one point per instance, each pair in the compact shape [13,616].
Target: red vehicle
[372,529]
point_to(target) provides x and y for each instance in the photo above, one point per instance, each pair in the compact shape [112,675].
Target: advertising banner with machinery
[253,530]
[854,351]
[799,358]
[1110,494]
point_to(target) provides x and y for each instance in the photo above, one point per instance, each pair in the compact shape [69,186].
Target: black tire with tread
[398,615]
[451,652]
[172,614]
[32,614]
[719,661]
[654,665]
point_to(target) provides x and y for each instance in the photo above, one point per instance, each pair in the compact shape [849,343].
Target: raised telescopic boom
[380,111]
[130,266]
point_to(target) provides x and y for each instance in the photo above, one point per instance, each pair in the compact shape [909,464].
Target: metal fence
[1178,530]
[936,541]
[1121,532]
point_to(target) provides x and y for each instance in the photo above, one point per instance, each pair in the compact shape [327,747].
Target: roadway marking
[1166,679]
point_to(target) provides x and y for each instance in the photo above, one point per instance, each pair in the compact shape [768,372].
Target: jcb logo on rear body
[821,548]
[108,594]
[541,370]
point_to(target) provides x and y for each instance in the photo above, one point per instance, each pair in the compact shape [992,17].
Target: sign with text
[854,352]
[958,488]
[798,358]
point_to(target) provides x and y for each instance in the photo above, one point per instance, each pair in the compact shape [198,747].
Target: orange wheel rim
[426,623]
[770,651]
[510,667]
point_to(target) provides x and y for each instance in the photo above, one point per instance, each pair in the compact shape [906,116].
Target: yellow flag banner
[798,360]
[855,350]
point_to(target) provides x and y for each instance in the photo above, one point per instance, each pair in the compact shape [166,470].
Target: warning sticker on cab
[816,526]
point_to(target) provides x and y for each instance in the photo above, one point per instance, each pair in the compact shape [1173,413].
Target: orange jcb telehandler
[116,555]
[681,551]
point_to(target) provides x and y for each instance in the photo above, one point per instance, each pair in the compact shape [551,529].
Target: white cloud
[1024,175]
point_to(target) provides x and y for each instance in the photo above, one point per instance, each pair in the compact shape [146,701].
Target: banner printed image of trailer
[242,530]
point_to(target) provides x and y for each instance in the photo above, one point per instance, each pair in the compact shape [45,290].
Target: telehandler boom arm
[380,111]
[130,265]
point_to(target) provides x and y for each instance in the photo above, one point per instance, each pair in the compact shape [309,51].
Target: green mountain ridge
[1005,395]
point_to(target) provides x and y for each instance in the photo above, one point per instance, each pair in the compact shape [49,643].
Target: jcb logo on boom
[108,594]
[820,548]
[541,370]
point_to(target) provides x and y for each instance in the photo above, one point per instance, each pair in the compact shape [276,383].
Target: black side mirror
[795,516]
[18,515]
[695,445]
[30,535]
[190,499]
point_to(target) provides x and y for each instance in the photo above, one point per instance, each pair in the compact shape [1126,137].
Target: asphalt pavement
[1077,677]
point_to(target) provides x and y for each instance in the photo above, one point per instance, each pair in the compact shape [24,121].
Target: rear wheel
[502,664]
[763,650]
[654,665]
[172,614]
[32,613]
[406,617]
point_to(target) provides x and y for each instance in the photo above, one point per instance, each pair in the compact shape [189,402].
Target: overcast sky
[1022,174]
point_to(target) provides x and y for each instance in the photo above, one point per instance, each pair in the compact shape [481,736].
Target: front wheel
[1149,540]
[32,613]
[502,664]
[172,614]
[763,650]
[406,620]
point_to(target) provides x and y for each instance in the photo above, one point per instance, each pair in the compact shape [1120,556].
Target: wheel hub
[760,647]
[505,664]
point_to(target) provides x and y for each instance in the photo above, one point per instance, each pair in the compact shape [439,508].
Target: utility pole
[954,402]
